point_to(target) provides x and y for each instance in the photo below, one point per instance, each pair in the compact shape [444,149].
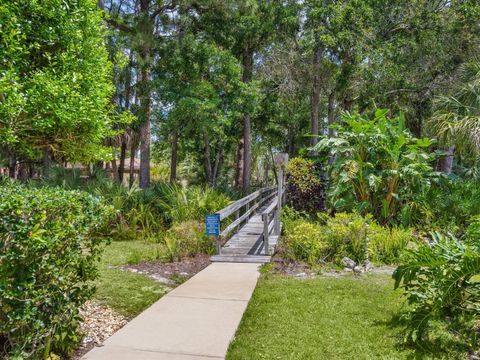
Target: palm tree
[456,120]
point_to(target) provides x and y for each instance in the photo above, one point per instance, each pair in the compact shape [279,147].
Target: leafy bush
[144,213]
[180,204]
[304,186]
[330,239]
[187,239]
[47,258]
[347,236]
[305,241]
[441,282]
[452,204]
[379,168]
[137,212]
[386,244]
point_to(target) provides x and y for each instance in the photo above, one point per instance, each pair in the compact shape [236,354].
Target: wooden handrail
[270,208]
[237,205]
[246,203]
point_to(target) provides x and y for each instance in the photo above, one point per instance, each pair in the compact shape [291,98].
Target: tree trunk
[146,29]
[247,126]
[217,166]
[123,155]
[315,97]
[22,171]
[132,165]
[128,91]
[347,102]
[331,113]
[239,167]
[267,171]
[115,170]
[173,159]
[46,162]
[207,163]
[145,137]
[445,163]
[291,142]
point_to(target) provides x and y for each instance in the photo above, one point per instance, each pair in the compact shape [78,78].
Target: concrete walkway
[195,321]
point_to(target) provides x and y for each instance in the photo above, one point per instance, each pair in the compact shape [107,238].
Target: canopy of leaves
[55,78]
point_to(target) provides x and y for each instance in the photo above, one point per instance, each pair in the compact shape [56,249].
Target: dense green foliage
[442,284]
[55,79]
[187,239]
[456,120]
[144,213]
[330,239]
[379,168]
[48,255]
[451,205]
[218,88]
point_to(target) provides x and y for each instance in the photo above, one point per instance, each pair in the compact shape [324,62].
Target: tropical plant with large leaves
[378,167]
[441,282]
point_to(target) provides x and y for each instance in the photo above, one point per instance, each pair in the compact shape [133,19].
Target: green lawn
[125,292]
[324,318]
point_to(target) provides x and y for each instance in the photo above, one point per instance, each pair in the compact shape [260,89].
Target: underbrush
[439,272]
[326,239]
[145,214]
[451,205]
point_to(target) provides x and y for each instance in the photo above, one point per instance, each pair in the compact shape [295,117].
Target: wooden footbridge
[249,228]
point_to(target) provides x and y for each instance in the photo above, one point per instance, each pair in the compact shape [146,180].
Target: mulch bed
[100,322]
[171,273]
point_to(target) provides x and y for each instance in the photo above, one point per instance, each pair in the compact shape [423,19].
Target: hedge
[48,255]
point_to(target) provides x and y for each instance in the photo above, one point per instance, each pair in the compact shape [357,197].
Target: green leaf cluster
[378,167]
[48,256]
[55,79]
[441,282]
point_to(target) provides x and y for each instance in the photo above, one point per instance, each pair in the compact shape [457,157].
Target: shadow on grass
[441,346]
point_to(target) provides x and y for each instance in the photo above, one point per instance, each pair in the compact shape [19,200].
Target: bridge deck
[247,244]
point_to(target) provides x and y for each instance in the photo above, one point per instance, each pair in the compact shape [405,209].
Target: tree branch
[163,8]
[119,26]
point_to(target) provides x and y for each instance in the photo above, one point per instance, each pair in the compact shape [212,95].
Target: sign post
[212,228]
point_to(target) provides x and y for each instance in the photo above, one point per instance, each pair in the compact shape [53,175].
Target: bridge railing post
[265,219]
[218,245]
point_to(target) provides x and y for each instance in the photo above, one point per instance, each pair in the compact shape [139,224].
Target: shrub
[452,204]
[379,167]
[304,186]
[47,259]
[440,281]
[180,204]
[386,244]
[137,212]
[187,239]
[330,239]
[305,242]
[346,236]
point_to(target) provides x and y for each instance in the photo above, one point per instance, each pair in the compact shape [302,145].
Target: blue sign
[212,224]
